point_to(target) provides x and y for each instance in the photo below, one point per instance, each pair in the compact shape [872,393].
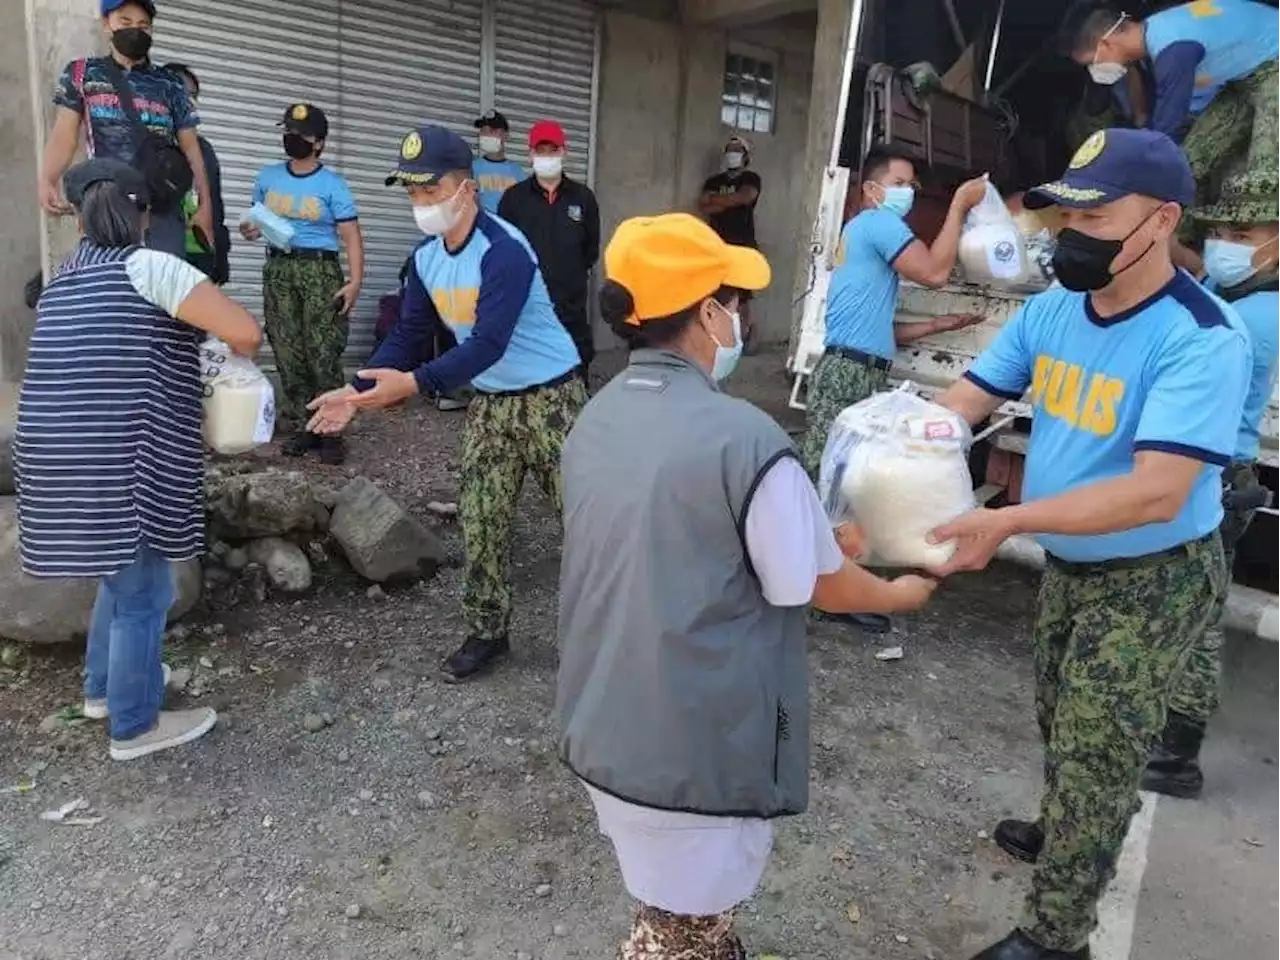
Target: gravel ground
[350,805]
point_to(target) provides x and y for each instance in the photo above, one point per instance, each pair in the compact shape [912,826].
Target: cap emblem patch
[411,146]
[299,111]
[1089,151]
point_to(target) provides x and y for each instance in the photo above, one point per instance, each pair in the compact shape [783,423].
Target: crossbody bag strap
[125,95]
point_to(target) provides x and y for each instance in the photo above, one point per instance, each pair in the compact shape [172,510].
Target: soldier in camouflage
[1137,379]
[478,275]
[1240,259]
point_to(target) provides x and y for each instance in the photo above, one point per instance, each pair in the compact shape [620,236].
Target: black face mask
[1083,263]
[298,147]
[132,42]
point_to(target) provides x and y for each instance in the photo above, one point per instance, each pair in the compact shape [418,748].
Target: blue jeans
[122,657]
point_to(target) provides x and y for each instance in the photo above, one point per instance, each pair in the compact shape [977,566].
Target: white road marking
[1118,909]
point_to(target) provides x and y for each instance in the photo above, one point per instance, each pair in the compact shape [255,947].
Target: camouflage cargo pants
[837,382]
[1197,691]
[1239,129]
[1110,639]
[305,328]
[506,437]
[659,935]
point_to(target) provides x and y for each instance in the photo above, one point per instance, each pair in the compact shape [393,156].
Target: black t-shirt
[736,225]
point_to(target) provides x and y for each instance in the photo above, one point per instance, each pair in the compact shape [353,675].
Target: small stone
[237,559]
[51,724]
[427,800]
[441,509]
[10,655]
[560,930]
[433,734]
[403,717]
[902,938]
[376,593]
[344,756]
[522,955]
[327,718]
[542,890]
[853,912]
[313,723]
[286,565]
[353,911]
[366,795]
[982,835]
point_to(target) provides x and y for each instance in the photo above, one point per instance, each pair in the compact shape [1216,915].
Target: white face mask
[727,357]
[733,160]
[548,168]
[1107,74]
[435,219]
[490,145]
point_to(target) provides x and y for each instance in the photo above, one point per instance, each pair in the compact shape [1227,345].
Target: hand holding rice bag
[897,465]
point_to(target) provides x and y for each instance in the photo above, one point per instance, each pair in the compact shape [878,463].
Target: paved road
[1210,887]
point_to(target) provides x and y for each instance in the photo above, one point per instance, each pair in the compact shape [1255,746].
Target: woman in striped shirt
[108,448]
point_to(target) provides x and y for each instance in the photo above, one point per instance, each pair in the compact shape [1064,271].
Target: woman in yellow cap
[694,543]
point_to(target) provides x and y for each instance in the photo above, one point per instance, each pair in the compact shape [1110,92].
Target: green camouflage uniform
[837,382]
[1196,693]
[1242,120]
[1110,639]
[505,437]
[305,327]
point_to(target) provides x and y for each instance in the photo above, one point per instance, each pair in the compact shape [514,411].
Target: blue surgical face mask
[898,200]
[1229,264]
[727,357]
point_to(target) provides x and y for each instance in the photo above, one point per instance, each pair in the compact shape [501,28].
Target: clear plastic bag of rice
[992,250]
[898,466]
[239,401]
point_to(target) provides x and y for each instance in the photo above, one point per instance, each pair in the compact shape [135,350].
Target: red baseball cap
[546,131]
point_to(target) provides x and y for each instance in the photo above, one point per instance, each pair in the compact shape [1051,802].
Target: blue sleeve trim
[1175,73]
[901,250]
[1197,301]
[506,276]
[986,387]
[1187,450]
[405,344]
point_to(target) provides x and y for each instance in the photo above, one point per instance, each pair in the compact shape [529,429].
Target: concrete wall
[660,134]
[56,31]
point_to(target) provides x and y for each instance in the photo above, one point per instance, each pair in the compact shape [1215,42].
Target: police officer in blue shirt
[477,274]
[877,248]
[1213,69]
[1137,377]
[495,172]
[1240,258]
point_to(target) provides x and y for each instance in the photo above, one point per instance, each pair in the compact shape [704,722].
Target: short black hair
[878,159]
[183,71]
[1087,23]
[617,304]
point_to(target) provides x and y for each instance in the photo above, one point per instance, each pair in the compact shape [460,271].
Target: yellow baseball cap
[670,262]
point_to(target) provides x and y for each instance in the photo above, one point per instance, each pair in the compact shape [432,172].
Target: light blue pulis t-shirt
[1169,374]
[315,203]
[495,177]
[863,294]
[1259,313]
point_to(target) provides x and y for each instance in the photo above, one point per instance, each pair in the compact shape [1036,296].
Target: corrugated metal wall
[544,61]
[377,68]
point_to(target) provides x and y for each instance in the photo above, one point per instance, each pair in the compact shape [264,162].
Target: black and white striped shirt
[108,448]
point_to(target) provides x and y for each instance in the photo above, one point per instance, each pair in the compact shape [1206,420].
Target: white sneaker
[97,709]
[173,728]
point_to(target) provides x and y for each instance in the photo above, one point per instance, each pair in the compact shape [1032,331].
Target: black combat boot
[1021,839]
[476,656]
[1173,768]
[332,451]
[1018,946]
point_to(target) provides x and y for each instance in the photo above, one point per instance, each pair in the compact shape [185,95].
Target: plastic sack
[239,401]
[898,465]
[276,230]
[991,247]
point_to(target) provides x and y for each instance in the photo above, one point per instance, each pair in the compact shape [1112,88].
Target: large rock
[8,420]
[287,566]
[47,611]
[270,503]
[381,541]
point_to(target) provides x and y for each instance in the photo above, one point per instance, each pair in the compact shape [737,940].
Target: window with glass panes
[748,102]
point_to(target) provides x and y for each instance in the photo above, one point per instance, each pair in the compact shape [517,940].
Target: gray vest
[680,687]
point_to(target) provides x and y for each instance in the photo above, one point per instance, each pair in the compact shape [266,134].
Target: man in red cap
[561,219]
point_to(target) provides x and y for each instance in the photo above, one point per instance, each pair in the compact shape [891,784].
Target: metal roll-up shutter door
[544,64]
[251,66]
[402,63]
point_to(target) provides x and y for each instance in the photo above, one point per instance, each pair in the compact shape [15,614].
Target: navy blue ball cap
[1116,163]
[110,6]
[427,154]
[82,176]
